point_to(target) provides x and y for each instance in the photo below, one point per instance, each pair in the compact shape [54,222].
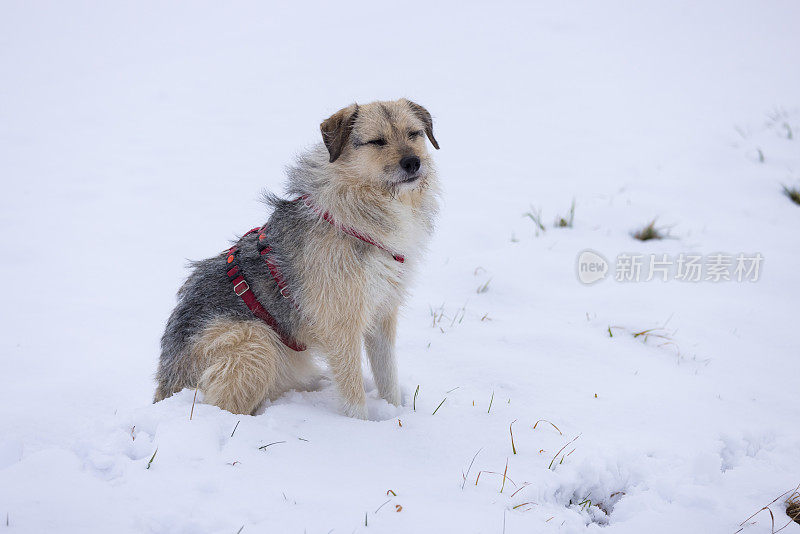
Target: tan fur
[245,363]
[346,299]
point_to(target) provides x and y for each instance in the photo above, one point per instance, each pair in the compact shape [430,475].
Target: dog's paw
[393,396]
[356,411]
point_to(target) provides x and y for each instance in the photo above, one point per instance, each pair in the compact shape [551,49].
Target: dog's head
[382,142]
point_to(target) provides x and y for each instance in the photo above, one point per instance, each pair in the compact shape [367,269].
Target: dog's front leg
[379,340]
[345,362]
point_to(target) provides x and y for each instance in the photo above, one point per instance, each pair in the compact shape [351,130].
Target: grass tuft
[465,475]
[793,507]
[792,193]
[661,334]
[566,222]
[438,314]
[650,231]
[792,499]
[585,503]
[562,450]
[536,216]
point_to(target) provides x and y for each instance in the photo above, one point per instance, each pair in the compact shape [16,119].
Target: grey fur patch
[208,294]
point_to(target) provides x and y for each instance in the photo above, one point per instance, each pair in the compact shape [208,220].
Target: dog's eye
[377,142]
[414,134]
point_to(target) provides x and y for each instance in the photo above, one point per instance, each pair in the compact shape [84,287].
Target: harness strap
[242,290]
[264,250]
[346,229]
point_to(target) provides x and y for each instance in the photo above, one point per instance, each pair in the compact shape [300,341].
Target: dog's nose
[410,164]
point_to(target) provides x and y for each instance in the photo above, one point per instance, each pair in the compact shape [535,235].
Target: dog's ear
[426,119]
[336,130]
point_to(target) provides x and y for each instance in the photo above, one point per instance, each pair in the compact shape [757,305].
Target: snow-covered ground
[136,136]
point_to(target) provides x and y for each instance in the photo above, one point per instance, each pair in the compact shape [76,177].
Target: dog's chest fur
[350,281]
[389,279]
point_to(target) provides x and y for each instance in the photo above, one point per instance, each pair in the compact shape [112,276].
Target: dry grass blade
[793,507]
[440,405]
[490,403]
[510,431]
[483,288]
[495,473]
[561,450]
[793,497]
[465,475]
[237,426]
[505,472]
[381,506]
[549,423]
[414,402]
[263,447]
[460,313]
[191,413]
[536,216]
[152,458]
[524,485]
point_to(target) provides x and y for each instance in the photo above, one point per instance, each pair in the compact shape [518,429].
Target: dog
[327,273]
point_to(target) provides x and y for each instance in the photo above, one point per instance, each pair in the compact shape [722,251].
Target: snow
[135,136]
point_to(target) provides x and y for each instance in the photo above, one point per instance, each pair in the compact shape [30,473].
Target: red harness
[349,231]
[242,288]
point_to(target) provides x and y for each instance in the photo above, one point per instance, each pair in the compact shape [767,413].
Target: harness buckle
[243,291]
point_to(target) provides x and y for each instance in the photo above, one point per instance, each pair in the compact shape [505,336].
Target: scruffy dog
[328,270]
